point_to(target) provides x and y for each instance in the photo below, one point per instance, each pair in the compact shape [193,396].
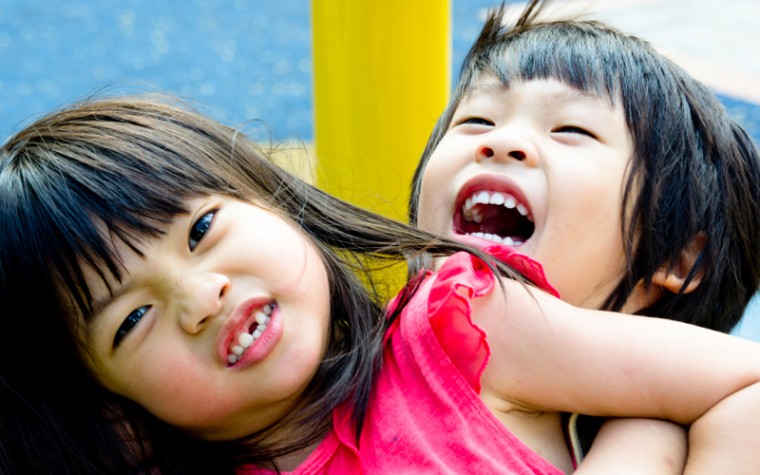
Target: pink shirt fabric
[425,415]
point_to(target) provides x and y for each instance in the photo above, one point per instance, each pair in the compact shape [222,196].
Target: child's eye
[129,323]
[571,129]
[199,229]
[475,121]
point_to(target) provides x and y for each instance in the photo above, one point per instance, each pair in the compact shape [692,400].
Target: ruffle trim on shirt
[461,278]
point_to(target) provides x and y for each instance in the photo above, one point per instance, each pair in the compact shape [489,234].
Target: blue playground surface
[241,59]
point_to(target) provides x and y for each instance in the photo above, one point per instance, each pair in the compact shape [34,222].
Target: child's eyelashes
[572,129]
[475,121]
[129,323]
[199,229]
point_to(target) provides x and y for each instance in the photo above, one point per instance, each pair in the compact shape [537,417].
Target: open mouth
[496,216]
[253,331]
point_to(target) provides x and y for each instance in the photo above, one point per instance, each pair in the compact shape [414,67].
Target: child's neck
[291,461]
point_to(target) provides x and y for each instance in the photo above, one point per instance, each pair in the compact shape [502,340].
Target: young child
[585,149]
[194,309]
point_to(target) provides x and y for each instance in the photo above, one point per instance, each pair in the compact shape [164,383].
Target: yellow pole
[381,79]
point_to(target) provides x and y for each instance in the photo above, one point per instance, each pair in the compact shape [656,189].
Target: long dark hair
[123,168]
[694,174]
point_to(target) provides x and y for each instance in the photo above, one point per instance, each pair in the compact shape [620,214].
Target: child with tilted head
[585,149]
[175,303]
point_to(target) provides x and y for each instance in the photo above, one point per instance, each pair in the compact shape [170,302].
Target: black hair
[694,173]
[123,168]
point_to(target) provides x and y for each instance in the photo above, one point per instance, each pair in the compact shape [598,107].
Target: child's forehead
[489,85]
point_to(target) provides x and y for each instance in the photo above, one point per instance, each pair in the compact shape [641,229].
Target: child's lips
[494,209]
[246,319]
[254,328]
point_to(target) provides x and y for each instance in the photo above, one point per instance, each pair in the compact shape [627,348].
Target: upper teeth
[492,198]
[245,339]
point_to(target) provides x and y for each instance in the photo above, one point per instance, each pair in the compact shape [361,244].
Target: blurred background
[252,59]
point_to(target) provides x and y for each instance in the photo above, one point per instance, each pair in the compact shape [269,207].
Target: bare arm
[636,447]
[552,356]
[727,440]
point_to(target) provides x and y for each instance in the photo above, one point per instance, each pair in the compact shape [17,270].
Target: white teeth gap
[244,341]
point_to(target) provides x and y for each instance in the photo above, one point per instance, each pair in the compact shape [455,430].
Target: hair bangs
[692,175]
[584,59]
[85,190]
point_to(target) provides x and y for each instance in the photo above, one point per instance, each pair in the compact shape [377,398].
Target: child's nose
[204,300]
[485,152]
[507,144]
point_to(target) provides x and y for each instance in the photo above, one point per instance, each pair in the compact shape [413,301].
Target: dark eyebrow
[575,95]
[98,305]
[569,94]
[490,88]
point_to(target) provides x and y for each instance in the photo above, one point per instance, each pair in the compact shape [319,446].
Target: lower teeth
[508,241]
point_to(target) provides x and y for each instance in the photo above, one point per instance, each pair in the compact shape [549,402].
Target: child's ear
[673,277]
